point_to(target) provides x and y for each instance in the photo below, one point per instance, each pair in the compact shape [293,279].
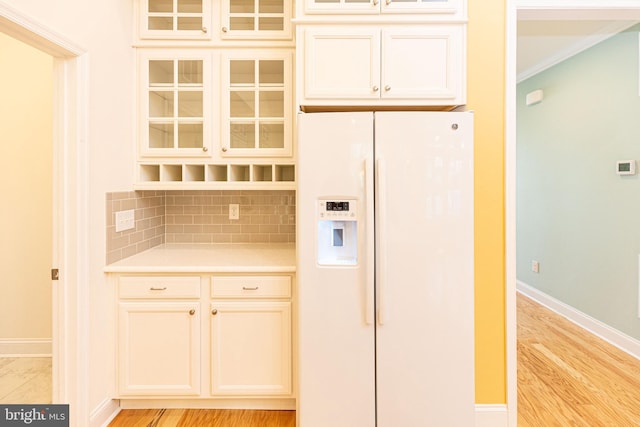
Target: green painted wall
[575,215]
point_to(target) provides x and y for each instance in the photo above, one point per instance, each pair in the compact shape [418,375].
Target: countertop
[210,258]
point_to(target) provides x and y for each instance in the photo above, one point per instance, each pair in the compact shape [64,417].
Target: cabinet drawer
[159,287]
[251,287]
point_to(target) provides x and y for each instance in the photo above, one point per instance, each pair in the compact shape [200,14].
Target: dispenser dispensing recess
[337,232]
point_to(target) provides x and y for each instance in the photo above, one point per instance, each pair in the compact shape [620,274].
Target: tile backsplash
[199,217]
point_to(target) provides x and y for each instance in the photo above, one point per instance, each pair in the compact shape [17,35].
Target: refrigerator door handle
[381,196]
[369,243]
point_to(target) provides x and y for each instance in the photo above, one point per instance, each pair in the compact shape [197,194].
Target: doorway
[540,10]
[27,222]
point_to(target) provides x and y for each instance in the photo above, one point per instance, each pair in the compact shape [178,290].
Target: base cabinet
[168,347]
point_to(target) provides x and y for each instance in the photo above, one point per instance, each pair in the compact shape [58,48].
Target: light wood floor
[568,377]
[25,380]
[203,417]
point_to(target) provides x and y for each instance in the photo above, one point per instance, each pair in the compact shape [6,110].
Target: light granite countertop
[210,258]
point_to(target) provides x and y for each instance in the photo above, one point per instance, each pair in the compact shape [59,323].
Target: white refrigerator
[385,269]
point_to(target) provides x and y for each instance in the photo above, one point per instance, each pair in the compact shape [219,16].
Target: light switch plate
[125,220]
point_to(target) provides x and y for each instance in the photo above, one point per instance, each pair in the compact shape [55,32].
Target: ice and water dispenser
[337,232]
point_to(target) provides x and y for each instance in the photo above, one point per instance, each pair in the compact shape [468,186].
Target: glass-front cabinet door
[256,19]
[257,109]
[175,19]
[175,104]
[383,6]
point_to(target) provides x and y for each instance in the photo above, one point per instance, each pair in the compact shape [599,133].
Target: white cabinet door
[424,62]
[250,348]
[179,19]
[342,63]
[395,65]
[159,348]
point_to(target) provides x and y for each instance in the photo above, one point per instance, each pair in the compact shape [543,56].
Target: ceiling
[544,43]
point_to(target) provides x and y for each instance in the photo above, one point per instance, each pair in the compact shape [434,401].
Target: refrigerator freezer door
[425,346]
[335,328]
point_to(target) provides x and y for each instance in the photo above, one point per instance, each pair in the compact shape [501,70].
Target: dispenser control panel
[339,210]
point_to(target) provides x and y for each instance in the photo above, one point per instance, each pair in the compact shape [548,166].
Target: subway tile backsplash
[199,217]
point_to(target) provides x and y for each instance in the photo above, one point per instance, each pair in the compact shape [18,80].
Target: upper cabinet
[256,19]
[175,19]
[214,21]
[392,65]
[445,7]
[380,54]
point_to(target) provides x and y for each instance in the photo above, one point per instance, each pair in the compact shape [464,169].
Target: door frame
[70,330]
[541,10]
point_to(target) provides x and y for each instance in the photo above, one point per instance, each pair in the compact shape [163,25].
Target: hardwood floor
[203,417]
[568,377]
[25,380]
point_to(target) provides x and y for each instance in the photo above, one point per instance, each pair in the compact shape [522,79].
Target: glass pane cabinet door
[175,105]
[258,106]
[189,19]
[256,19]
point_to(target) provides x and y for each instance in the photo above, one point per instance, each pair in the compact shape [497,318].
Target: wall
[486,97]
[26,116]
[574,214]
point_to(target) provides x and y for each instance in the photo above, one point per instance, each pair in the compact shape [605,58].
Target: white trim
[491,416]
[104,413]
[25,347]
[510,216]
[613,336]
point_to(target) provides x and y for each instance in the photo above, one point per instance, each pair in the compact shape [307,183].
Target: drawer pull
[214,311]
[247,288]
[158,289]
[192,311]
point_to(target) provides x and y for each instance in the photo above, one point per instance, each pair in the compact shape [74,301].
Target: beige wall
[26,112]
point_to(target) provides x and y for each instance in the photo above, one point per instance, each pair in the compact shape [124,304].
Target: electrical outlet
[234,211]
[535,266]
[125,220]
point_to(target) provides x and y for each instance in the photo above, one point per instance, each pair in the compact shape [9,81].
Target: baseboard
[25,347]
[492,415]
[267,404]
[613,336]
[104,413]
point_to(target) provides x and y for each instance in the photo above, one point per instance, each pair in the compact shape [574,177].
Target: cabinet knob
[387,88]
[204,30]
[388,2]
[192,311]
[225,29]
[375,88]
[205,149]
[224,149]
[375,2]
[214,311]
